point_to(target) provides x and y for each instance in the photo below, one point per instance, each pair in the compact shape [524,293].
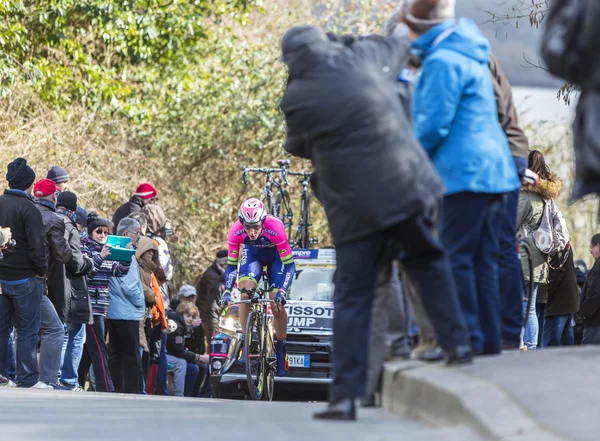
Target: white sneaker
[41,385]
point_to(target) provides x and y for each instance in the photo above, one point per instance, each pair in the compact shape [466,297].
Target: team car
[310,331]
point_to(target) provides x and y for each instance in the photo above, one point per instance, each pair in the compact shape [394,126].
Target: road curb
[443,396]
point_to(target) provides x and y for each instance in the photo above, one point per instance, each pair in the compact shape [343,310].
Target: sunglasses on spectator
[102,231]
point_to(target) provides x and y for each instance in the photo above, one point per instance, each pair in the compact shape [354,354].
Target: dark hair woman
[529,217]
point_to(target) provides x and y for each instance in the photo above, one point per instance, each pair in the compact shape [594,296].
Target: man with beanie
[58,253]
[71,288]
[455,118]
[22,271]
[144,195]
[209,286]
[343,117]
[59,176]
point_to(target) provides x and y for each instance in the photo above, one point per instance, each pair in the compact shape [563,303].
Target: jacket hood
[301,45]
[547,189]
[463,37]
[157,220]
[145,244]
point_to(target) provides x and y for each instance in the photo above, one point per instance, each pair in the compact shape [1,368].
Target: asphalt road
[84,416]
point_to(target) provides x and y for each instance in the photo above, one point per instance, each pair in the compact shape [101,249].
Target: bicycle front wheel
[270,361]
[255,360]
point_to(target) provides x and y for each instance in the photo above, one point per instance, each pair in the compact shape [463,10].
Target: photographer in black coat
[380,191]
[22,270]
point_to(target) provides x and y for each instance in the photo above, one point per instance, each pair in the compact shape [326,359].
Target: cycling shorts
[252,261]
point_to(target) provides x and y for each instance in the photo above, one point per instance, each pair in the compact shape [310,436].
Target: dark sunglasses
[102,231]
[253,227]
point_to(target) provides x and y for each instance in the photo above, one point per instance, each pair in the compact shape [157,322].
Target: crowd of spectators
[73,316]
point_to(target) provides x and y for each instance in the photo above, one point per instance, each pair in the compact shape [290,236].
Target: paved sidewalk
[29,415]
[549,394]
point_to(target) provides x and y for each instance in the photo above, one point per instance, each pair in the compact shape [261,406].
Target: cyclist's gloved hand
[280,297]
[226,299]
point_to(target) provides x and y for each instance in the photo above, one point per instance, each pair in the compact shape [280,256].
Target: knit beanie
[81,216]
[145,191]
[58,174]
[94,221]
[19,175]
[422,15]
[68,200]
[222,257]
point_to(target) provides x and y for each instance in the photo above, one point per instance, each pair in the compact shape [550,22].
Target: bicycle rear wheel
[255,360]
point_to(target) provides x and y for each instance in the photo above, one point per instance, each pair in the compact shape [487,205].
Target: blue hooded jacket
[127,295]
[454,111]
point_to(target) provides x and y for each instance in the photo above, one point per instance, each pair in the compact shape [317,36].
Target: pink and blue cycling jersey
[271,249]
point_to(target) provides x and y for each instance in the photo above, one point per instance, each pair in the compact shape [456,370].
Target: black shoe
[342,410]
[461,354]
[369,401]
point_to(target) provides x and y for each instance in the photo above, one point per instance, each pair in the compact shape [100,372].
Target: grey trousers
[52,335]
[426,331]
[389,324]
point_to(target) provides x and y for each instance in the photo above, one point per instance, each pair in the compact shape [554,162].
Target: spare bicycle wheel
[255,361]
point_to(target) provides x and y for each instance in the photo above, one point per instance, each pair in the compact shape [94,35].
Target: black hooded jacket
[28,258]
[343,113]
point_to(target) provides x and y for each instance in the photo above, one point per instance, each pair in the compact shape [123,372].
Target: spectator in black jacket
[144,195]
[58,252]
[183,363]
[563,300]
[590,298]
[77,311]
[208,287]
[22,270]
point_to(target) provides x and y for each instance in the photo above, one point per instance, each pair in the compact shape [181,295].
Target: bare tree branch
[531,65]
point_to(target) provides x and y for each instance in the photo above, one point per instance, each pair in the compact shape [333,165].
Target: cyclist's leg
[249,275]
[275,276]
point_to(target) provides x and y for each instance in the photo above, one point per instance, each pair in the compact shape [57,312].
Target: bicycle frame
[259,350]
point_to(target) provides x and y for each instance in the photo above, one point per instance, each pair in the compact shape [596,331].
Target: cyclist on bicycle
[262,241]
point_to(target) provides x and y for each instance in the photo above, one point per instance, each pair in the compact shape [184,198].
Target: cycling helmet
[252,211]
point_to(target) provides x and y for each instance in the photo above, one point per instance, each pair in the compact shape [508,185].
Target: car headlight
[217,364]
[231,323]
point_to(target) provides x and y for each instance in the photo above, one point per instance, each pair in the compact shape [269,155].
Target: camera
[10,246]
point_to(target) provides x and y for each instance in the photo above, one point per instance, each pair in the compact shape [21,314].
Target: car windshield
[313,283]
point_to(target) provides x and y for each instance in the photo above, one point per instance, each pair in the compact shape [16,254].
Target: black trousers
[95,353]
[125,355]
[424,260]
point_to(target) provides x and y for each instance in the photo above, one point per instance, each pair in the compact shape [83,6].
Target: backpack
[552,235]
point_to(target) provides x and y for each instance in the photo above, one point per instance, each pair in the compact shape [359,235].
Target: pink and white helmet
[252,211]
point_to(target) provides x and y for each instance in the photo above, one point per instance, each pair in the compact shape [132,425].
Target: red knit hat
[145,191]
[44,187]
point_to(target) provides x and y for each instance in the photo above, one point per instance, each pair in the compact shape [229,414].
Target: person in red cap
[58,252]
[144,195]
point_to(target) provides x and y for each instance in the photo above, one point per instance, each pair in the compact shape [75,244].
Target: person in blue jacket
[126,310]
[455,119]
